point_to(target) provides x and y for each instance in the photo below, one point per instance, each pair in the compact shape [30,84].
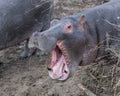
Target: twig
[88,92]
[115,87]
[93,76]
[114,25]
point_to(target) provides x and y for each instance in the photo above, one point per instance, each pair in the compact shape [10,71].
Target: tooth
[63,50]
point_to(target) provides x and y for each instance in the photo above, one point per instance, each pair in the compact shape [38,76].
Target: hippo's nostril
[32,48]
[42,35]
[35,34]
[65,71]
[49,69]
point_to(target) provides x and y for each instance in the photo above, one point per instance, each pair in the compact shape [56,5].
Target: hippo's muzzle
[59,56]
[47,44]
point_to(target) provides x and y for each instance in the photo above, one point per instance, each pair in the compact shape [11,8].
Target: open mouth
[59,63]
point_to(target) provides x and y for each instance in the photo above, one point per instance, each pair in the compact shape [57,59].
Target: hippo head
[70,44]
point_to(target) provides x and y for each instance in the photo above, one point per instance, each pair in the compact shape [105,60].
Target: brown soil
[29,77]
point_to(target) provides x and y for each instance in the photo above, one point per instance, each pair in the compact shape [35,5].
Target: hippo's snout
[33,44]
[42,41]
[35,34]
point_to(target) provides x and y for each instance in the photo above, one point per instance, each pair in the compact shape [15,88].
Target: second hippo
[20,18]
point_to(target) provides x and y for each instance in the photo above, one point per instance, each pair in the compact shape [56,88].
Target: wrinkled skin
[77,39]
[20,18]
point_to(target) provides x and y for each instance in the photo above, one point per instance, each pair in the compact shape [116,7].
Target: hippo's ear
[54,22]
[82,21]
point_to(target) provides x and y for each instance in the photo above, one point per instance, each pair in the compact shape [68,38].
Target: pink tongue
[57,69]
[65,75]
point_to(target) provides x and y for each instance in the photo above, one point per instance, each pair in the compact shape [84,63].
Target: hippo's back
[19,18]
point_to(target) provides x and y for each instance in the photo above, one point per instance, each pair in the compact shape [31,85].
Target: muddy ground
[29,77]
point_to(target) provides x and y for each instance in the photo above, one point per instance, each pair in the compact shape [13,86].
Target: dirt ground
[29,77]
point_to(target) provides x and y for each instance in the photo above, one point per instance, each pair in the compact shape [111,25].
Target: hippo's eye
[42,35]
[68,28]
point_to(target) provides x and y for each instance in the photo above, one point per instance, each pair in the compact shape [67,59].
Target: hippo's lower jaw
[59,63]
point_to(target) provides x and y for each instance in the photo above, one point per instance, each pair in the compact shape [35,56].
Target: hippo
[78,39]
[20,18]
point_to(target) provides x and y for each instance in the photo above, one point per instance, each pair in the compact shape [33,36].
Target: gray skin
[83,34]
[20,18]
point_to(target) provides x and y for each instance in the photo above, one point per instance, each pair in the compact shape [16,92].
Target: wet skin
[77,39]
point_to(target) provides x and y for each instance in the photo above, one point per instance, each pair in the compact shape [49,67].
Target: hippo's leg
[27,51]
[38,52]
